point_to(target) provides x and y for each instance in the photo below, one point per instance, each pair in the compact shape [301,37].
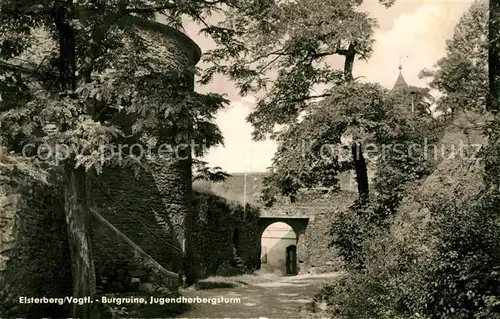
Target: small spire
[400,81]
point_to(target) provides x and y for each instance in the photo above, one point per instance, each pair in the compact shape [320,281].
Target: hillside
[458,174]
[234,188]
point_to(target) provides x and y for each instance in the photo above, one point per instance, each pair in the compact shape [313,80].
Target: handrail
[138,249]
[135,217]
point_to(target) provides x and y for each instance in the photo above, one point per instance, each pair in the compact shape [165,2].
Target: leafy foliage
[15,171]
[465,272]
[462,75]
[282,50]
[400,160]
[210,174]
[121,69]
[274,53]
[447,268]
[313,151]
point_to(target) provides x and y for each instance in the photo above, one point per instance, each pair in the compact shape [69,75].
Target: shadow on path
[280,298]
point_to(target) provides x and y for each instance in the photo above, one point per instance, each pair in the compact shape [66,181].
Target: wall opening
[291,260]
[275,241]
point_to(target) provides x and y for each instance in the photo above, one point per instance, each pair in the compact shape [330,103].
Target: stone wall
[129,202]
[35,259]
[34,252]
[119,194]
[233,188]
[132,204]
[148,203]
[218,250]
[127,268]
[313,251]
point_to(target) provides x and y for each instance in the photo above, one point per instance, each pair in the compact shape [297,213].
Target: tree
[446,267]
[494,55]
[102,64]
[493,101]
[468,75]
[467,250]
[311,152]
[462,76]
[282,48]
[210,174]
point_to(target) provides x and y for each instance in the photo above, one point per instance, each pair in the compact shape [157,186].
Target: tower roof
[400,82]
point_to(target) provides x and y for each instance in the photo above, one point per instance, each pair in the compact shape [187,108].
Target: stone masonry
[314,253]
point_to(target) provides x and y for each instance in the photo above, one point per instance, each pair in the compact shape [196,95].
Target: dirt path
[280,298]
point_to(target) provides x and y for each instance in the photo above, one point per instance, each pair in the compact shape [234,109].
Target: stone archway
[275,240]
[298,224]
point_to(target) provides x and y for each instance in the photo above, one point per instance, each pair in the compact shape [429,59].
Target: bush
[348,232]
[388,284]
[446,268]
[463,278]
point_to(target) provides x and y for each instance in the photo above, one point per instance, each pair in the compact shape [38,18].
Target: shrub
[463,278]
[446,268]
[388,284]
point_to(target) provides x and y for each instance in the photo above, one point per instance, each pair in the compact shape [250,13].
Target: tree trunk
[493,56]
[361,170]
[75,180]
[190,265]
[350,54]
[492,165]
[77,219]
[356,148]
[67,46]
[187,167]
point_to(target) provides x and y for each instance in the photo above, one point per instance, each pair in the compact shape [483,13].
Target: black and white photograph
[266,159]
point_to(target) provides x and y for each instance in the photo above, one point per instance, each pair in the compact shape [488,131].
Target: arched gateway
[289,260]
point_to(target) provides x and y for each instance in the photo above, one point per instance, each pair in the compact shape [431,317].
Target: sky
[412,31]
